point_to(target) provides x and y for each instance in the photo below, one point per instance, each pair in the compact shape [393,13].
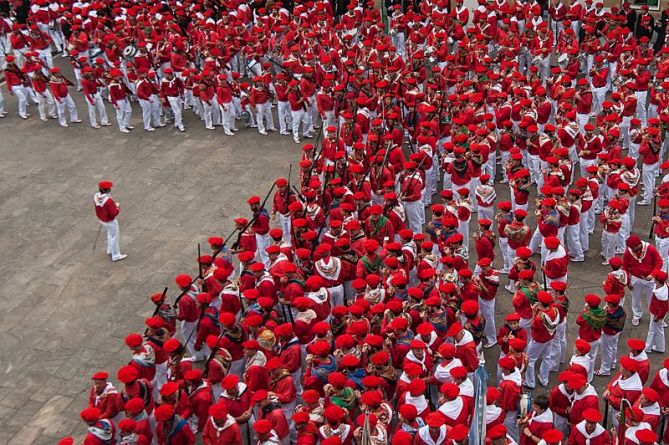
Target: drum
[129,51]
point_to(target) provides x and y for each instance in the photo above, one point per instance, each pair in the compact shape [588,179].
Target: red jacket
[179,433]
[578,436]
[645,264]
[200,400]
[225,434]
[105,207]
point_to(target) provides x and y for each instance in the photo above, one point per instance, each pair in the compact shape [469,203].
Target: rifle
[606,413]
[299,195]
[255,217]
[224,243]
[157,309]
[652,224]
[199,264]
[213,352]
[180,296]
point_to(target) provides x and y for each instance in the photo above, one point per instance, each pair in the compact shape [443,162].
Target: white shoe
[64,125]
[130,127]
[635,321]
[209,128]
[297,141]
[43,119]
[229,133]
[24,116]
[96,126]
[235,130]
[150,129]
[182,129]
[263,132]
[643,203]
[120,257]
[577,259]
[125,130]
[76,121]
[285,133]
[160,125]
[308,136]
[106,124]
[605,263]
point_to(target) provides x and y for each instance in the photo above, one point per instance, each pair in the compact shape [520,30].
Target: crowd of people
[340,310]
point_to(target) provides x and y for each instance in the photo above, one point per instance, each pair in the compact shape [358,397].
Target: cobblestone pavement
[67,308]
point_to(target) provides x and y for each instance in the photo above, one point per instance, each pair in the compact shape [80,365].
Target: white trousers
[609,244]
[21,94]
[227,116]
[592,356]
[262,241]
[609,347]
[583,234]
[176,104]
[511,424]
[285,116]
[655,337]
[507,254]
[98,105]
[574,240]
[559,346]
[300,117]
[188,337]
[285,228]
[113,238]
[536,351]
[487,308]
[123,113]
[415,214]
[336,295]
[264,116]
[641,288]
[641,97]
[662,246]
[61,105]
[45,104]
[146,113]
[648,172]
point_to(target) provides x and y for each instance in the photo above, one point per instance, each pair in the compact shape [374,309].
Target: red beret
[164,412]
[262,426]
[592,415]
[101,375]
[183,280]
[90,415]
[127,374]
[636,344]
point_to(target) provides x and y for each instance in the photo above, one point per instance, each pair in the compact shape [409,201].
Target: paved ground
[66,307]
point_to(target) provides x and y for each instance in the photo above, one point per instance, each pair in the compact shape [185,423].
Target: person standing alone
[107,210]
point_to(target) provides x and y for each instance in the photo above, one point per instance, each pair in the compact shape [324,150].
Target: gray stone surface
[67,307]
